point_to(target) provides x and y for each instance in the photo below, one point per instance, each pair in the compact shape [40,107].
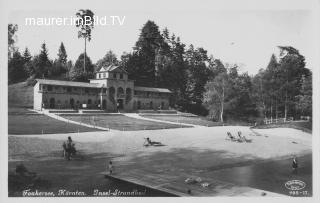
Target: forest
[201,84]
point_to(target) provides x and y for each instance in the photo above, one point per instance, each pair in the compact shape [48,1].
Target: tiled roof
[111,68]
[68,83]
[152,89]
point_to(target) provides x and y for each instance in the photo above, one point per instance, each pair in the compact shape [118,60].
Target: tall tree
[62,54]
[216,94]
[12,29]
[26,55]
[146,49]
[291,70]
[197,73]
[59,67]
[77,73]
[85,23]
[16,72]
[304,98]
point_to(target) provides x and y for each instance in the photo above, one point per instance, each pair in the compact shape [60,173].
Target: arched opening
[52,103]
[104,104]
[72,103]
[120,92]
[128,95]
[112,91]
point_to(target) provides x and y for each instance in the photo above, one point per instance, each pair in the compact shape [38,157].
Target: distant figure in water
[295,165]
[110,167]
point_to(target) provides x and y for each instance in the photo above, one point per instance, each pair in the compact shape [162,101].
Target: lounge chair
[243,138]
[230,137]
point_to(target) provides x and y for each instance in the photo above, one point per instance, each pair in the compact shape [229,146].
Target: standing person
[295,165]
[118,106]
[110,167]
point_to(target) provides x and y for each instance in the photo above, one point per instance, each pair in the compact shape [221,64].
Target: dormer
[111,72]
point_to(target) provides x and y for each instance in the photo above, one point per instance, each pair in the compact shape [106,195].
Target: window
[104,75]
[49,88]
[121,76]
[99,75]
[114,75]
[86,90]
[68,89]
[56,87]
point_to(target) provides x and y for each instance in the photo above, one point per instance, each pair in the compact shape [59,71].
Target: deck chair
[243,138]
[230,137]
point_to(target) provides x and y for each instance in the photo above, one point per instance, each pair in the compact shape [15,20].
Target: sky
[247,36]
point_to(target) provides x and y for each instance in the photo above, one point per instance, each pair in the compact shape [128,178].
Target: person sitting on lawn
[230,136]
[149,142]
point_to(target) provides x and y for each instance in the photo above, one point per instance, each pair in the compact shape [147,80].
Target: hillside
[20,95]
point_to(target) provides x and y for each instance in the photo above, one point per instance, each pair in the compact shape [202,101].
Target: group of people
[69,150]
[241,138]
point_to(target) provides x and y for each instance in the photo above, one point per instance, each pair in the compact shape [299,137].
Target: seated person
[149,142]
[230,136]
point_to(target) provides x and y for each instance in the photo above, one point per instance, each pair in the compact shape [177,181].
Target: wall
[37,97]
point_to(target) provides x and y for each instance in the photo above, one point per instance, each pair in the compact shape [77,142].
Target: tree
[216,92]
[291,70]
[59,66]
[77,73]
[44,64]
[85,23]
[26,55]
[12,29]
[304,99]
[142,64]
[62,55]
[16,72]
[108,59]
[197,73]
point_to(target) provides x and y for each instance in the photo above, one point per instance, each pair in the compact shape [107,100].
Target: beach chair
[243,138]
[230,137]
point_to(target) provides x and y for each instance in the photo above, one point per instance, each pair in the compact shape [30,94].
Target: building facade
[110,90]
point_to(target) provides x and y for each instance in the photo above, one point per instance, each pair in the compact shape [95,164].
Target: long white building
[110,90]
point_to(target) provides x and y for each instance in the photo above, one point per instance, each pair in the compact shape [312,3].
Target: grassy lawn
[120,122]
[38,124]
[184,119]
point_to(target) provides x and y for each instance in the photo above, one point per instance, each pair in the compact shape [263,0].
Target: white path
[137,116]
[55,116]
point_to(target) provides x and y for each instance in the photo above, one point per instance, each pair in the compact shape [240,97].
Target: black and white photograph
[140,98]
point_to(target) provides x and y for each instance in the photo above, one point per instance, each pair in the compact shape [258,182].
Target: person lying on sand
[149,142]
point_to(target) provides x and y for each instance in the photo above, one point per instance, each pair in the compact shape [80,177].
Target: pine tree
[16,72]
[77,73]
[26,55]
[62,55]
